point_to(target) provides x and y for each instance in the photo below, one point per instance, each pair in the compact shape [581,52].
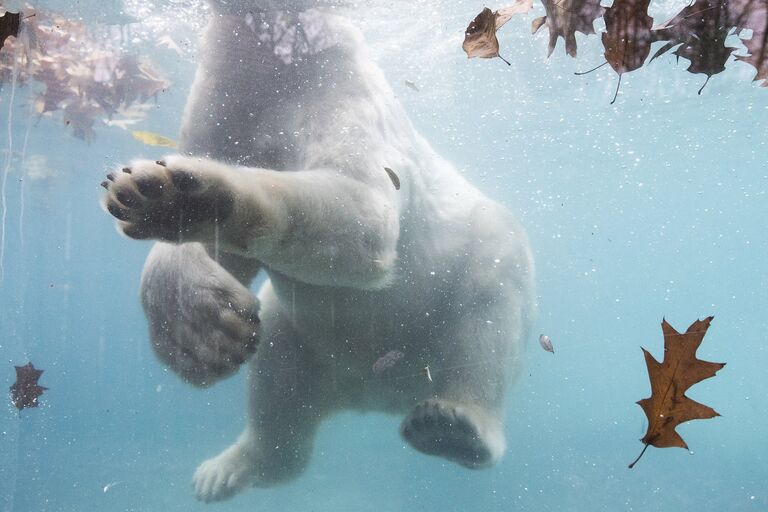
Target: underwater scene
[412,255]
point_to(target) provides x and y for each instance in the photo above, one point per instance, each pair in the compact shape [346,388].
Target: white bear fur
[296,154]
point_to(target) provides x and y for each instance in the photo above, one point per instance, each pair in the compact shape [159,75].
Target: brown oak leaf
[564,18]
[753,15]
[480,36]
[702,28]
[9,25]
[627,37]
[25,391]
[668,406]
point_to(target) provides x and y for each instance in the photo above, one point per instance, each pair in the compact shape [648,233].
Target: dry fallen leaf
[26,391]
[480,36]
[702,28]
[564,18]
[668,406]
[153,139]
[627,37]
[753,15]
[9,25]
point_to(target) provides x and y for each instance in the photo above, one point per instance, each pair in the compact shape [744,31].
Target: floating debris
[109,486]
[76,73]
[9,25]
[393,177]
[427,373]
[546,343]
[387,361]
[412,85]
[25,391]
[153,139]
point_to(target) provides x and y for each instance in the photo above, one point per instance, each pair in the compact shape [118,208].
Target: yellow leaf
[153,139]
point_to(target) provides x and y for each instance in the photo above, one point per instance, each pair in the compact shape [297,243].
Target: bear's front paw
[176,199]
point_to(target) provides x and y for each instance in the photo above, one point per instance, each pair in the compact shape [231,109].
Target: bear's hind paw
[460,433]
[225,475]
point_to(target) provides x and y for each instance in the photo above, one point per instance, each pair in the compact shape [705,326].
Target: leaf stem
[638,457]
[591,70]
[705,84]
[614,101]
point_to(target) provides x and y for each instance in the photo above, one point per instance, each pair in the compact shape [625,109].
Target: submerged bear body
[284,146]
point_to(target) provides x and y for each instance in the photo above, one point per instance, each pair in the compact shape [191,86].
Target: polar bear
[284,142]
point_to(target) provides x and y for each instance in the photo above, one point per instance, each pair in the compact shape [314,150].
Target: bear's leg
[288,398]
[317,226]
[203,321]
[476,359]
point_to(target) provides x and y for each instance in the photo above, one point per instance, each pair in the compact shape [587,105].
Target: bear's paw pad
[173,200]
[442,428]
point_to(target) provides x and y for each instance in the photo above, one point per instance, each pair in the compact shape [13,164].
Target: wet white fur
[356,268]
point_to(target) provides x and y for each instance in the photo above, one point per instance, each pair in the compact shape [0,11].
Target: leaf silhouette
[480,36]
[753,14]
[627,39]
[25,391]
[564,18]
[668,406]
[701,28]
[9,25]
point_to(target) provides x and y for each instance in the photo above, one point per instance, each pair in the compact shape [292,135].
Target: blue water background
[654,207]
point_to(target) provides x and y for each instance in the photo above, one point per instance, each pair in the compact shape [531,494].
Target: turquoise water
[653,207]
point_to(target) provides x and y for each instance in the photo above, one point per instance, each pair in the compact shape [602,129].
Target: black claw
[111,176]
[105,184]
[127,170]
[161,163]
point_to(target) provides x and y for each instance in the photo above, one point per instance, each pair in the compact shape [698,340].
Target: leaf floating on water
[480,36]
[546,343]
[702,29]
[387,361]
[393,177]
[753,14]
[627,38]
[25,391]
[564,18]
[668,406]
[153,139]
[9,26]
